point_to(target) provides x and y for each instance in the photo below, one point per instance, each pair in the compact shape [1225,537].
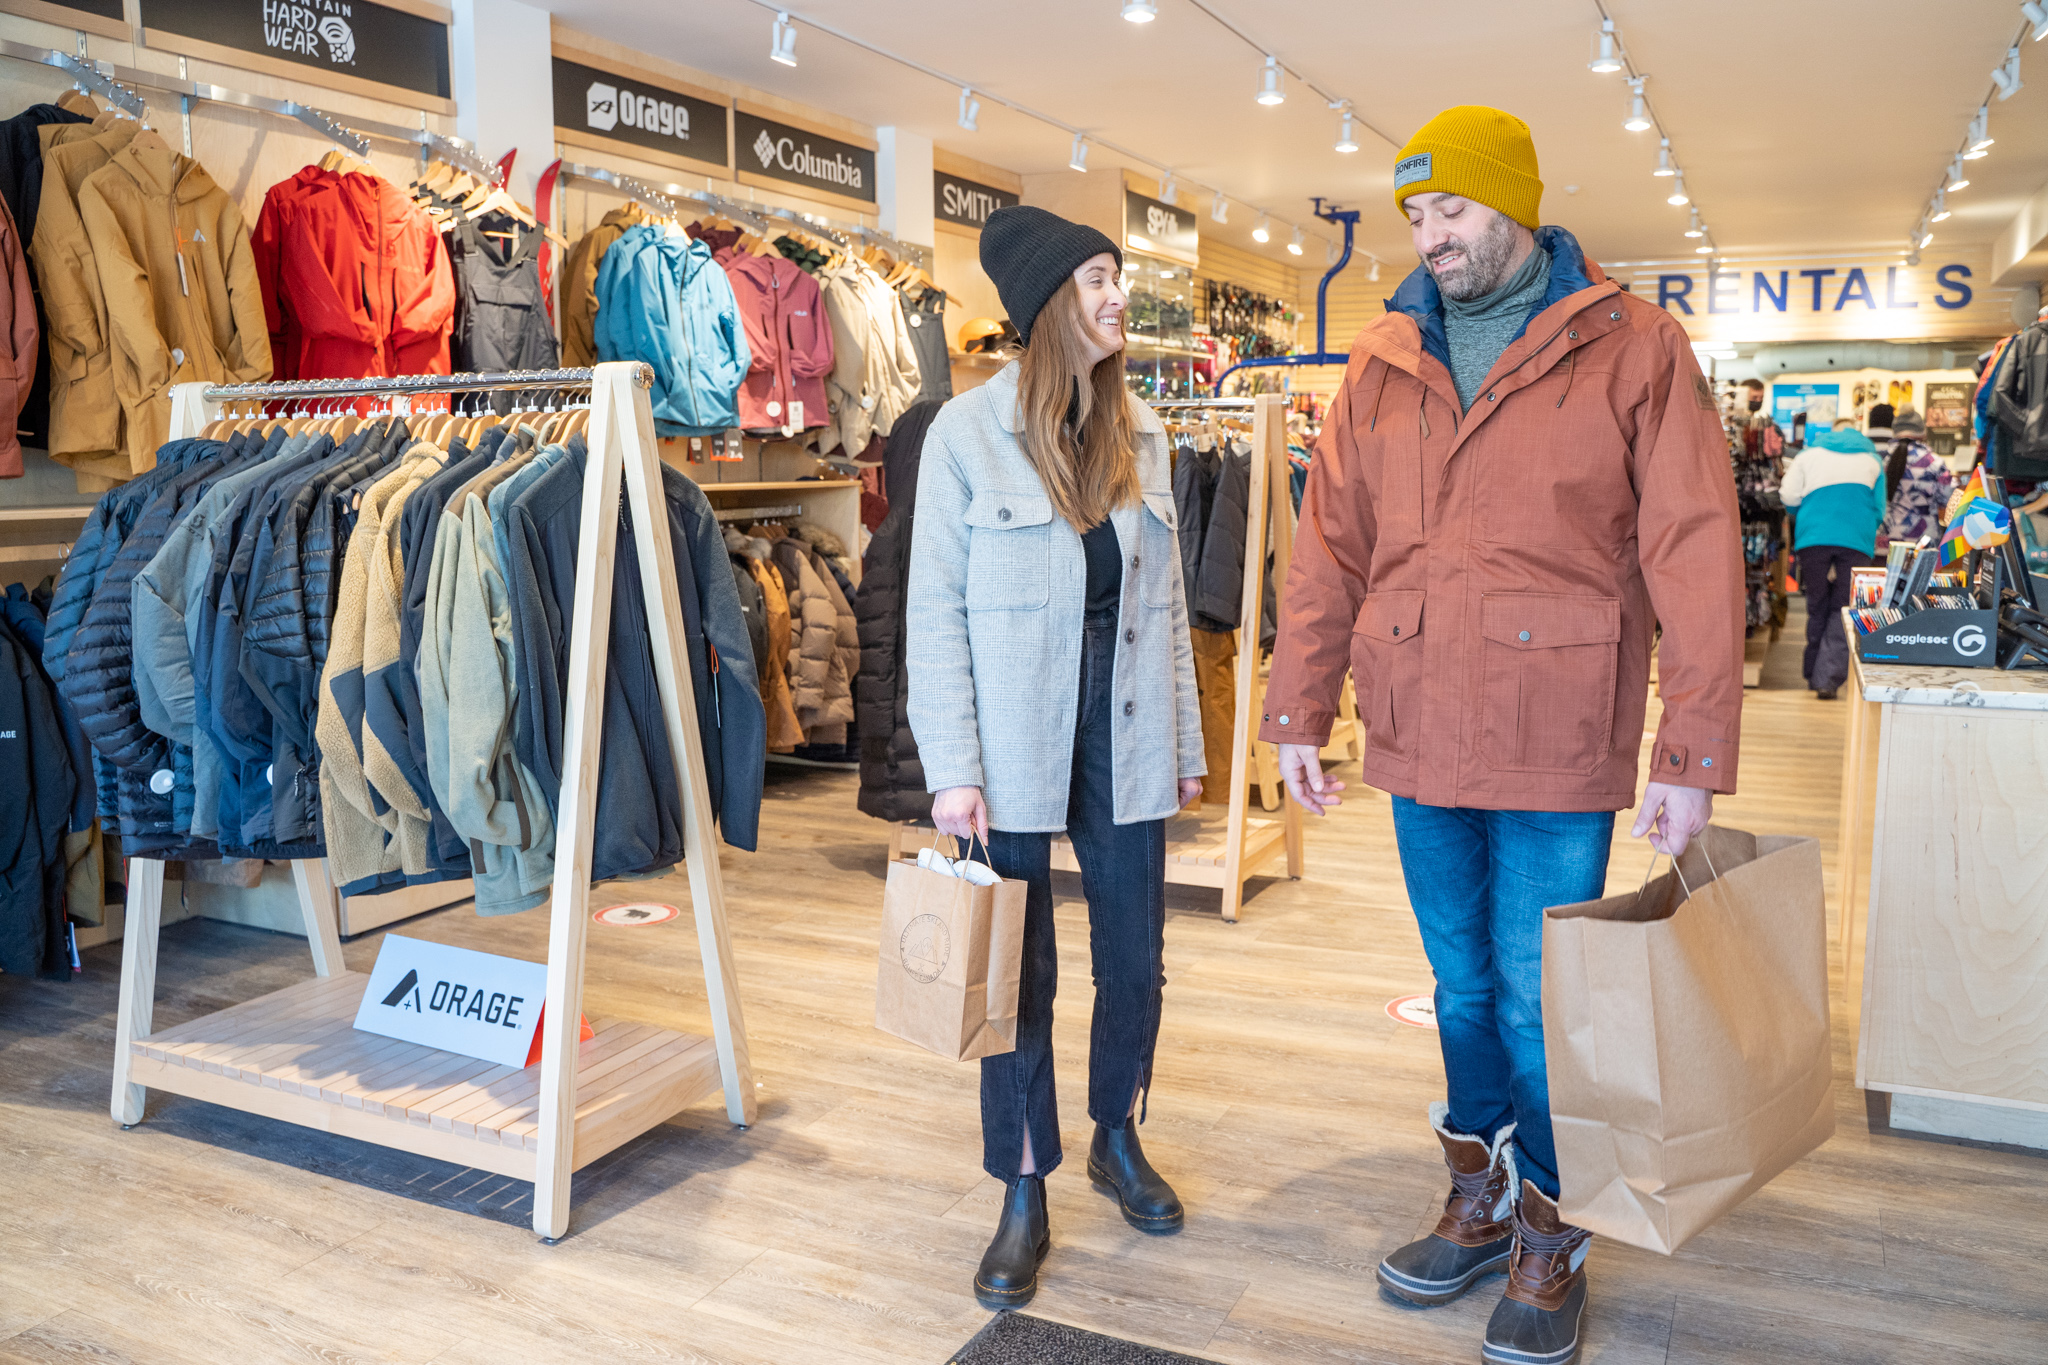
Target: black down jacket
[1216,596]
[36,783]
[2021,400]
[891,775]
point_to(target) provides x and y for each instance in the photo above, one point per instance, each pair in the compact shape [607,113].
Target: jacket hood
[1847,440]
[149,161]
[1419,298]
[822,540]
[738,544]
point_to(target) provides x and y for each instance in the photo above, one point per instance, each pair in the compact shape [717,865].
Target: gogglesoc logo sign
[1970,641]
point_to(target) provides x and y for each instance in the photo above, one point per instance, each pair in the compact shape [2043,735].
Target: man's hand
[1190,791]
[958,811]
[1301,767]
[1670,815]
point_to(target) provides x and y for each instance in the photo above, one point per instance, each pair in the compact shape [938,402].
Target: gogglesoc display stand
[295,1055]
[1203,853]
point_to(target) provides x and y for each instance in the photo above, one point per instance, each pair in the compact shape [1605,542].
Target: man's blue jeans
[1480,881]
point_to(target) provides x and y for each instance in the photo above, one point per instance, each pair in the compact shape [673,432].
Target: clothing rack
[1202,852]
[118,84]
[294,1054]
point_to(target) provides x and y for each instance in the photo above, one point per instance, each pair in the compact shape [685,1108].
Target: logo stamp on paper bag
[924,948]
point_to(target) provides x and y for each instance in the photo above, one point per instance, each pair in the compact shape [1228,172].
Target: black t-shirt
[1105,568]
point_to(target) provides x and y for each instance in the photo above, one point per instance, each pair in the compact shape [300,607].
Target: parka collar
[149,161]
[1420,303]
[1002,392]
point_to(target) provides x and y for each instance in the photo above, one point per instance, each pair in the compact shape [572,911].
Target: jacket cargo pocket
[1009,551]
[1384,654]
[1160,550]
[1547,693]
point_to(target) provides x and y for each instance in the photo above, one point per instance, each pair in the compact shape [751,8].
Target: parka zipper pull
[184,285]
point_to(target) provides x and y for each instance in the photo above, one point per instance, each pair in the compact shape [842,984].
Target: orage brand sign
[477,1004]
[627,109]
[349,37]
[967,202]
[800,157]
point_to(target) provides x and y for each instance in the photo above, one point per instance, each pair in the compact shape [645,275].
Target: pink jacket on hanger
[791,341]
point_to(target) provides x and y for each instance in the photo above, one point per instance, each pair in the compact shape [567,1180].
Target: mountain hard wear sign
[347,37]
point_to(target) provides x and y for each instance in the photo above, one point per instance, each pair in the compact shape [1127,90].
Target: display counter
[1945,951]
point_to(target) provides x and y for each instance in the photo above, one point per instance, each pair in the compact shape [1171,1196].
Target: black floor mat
[1015,1339]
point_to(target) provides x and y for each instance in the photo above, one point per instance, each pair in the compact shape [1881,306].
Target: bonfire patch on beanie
[1410,169]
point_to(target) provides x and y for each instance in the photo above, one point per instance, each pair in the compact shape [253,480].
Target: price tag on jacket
[477,1004]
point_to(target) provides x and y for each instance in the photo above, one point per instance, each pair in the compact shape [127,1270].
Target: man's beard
[1489,258]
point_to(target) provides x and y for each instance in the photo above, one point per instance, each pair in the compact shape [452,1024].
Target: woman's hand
[959,811]
[1190,791]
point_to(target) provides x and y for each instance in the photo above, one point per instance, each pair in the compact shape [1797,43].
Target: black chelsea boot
[1008,1276]
[1117,1165]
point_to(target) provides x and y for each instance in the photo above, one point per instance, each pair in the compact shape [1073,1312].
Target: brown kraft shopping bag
[951,953]
[1686,1030]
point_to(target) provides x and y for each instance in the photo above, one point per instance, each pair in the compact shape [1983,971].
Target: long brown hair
[1089,468]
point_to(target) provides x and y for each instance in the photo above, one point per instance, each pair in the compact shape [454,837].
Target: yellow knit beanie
[1482,154]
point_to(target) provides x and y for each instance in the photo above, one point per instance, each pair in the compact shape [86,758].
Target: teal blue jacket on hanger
[664,300]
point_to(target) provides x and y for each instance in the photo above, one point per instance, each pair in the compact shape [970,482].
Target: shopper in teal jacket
[662,299]
[1836,486]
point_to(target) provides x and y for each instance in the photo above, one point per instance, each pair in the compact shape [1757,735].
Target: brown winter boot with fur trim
[1537,1321]
[1474,1237]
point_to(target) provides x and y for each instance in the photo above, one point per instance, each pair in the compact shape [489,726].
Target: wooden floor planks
[1287,1106]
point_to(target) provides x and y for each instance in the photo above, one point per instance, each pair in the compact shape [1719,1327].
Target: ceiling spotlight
[1664,166]
[1140,11]
[1262,233]
[1706,250]
[1270,91]
[2007,77]
[1980,138]
[1346,142]
[1294,247]
[1169,190]
[1638,117]
[1926,239]
[1913,256]
[1941,209]
[782,40]
[1956,179]
[1696,230]
[1079,160]
[1374,273]
[1604,58]
[970,109]
[1219,209]
[1678,196]
[2037,15]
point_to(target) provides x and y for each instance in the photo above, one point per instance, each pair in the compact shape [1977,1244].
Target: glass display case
[1159,350]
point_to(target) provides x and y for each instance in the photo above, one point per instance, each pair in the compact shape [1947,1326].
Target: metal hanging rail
[118,84]
[407,385]
[1321,355]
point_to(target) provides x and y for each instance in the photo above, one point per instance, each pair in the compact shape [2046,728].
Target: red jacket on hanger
[356,282]
[791,341]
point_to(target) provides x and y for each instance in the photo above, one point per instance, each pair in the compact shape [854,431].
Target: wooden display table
[1945,780]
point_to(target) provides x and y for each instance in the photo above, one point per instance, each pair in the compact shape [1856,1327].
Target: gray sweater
[1478,330]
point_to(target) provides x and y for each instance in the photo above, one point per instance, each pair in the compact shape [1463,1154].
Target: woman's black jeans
[1123,875]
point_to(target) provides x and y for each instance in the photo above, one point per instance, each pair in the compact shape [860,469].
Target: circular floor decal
[634,916]
[1417,1011]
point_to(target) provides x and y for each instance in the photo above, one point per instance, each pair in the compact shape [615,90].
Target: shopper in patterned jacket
[1920,483]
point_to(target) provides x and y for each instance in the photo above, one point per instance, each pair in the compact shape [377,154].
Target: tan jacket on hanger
[579,284]
[85,416]
[183,303]
[874,375]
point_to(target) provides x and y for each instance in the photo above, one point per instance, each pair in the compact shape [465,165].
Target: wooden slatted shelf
[296,1055]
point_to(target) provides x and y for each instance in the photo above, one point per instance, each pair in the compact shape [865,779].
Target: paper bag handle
[1656,854]
[973,838]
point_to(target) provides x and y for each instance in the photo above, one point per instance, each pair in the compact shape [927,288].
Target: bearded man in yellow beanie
[1522,479]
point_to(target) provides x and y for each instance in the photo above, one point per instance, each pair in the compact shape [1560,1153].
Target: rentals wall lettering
[627,109]
[352,37]
[800,157]
[967,202]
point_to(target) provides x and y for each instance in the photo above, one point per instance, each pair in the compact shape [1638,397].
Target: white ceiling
[1803,125]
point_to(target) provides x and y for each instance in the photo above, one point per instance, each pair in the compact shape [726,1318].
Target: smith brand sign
[799,157]
[626,109]
[347,37]
[967,202]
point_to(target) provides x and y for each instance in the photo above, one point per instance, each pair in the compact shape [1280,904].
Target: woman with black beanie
[1052,687]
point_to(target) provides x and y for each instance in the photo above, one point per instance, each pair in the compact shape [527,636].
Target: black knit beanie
[1030,253]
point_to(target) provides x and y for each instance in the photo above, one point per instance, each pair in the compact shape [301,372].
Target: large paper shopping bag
[1686,1030]
[950,956]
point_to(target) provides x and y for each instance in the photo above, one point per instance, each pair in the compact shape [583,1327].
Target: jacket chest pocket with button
[1547,692]
[1387,658]
[1157,553]
[1009,551]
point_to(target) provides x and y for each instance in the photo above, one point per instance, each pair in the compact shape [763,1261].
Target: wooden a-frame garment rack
[1200,853]
[295,1055]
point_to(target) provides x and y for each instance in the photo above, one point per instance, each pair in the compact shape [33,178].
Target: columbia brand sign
[628,109]
[349,37]
[478,1004]
[800,157]
[1160,229]
[967,202]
